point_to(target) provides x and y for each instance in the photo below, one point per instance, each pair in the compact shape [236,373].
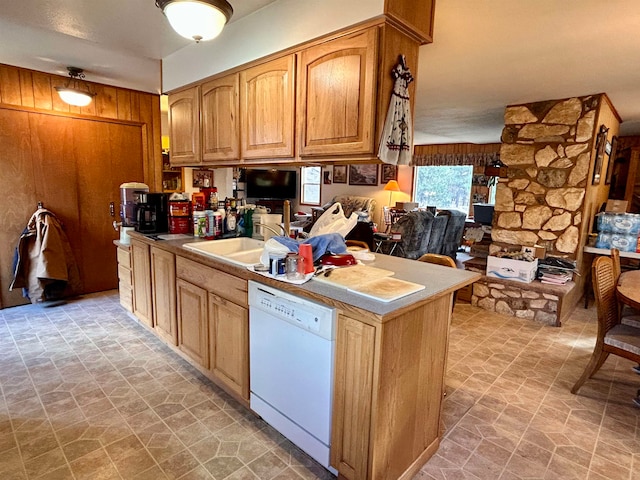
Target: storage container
[509,269]
[624,223]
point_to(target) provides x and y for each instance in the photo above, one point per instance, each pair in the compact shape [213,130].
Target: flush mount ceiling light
[196,19]
[76,91]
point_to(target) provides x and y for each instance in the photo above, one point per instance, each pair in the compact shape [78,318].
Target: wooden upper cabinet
[220,121]
[184,126]
[336,96]
[267,105]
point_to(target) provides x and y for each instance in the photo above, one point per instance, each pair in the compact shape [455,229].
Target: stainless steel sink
[243,251]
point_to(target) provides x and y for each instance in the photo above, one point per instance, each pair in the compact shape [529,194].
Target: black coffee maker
[152,213]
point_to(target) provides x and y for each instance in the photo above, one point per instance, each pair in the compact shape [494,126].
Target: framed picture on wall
[202,178]
[339,174]
[327,177]
[363,174]
[601,144]
[612,160]
[388,172]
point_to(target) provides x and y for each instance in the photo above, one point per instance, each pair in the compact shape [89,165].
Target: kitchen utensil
[339,260]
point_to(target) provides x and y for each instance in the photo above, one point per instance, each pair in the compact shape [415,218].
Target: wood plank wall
[43,159]
[30,90]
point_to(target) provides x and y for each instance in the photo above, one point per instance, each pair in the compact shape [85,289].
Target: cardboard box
[616,206]
[535,250]
[407,206]
[509,269]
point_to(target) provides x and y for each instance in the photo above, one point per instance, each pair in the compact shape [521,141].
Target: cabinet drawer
[124,275]
[124,257]
[126,296]
[214,281]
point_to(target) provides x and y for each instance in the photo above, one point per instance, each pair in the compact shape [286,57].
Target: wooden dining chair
[444,260]
[615,256]
[356,243]
[438,259]
[614,335]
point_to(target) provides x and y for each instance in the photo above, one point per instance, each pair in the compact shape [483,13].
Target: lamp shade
[392,186]
[197,19]
[76,92]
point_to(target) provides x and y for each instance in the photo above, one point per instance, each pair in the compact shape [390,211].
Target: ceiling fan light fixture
[76,92]
[198,20]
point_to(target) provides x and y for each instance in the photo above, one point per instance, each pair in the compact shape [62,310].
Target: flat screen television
[270,184]
[483,213]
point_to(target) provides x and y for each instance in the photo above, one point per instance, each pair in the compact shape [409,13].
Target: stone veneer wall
[533,301]
[546,200]
[547,147]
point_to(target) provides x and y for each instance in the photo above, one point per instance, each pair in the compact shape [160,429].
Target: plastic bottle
[223,214]
[213,199]
[230,221]
[248,222]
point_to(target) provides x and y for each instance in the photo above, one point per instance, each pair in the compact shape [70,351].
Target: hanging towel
[397,137]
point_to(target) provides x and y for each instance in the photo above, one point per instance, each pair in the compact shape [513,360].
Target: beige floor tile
[45,463]
[85,384]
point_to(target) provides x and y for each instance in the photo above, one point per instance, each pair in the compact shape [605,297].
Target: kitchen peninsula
[390,357]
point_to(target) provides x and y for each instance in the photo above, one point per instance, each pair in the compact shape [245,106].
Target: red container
[179,209]
[179,224]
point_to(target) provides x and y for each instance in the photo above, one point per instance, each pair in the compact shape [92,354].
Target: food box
[179,209]
[509,269]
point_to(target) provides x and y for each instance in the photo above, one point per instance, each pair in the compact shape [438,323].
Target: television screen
[266,184]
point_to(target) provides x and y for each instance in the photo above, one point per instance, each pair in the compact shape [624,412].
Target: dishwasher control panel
[311,316]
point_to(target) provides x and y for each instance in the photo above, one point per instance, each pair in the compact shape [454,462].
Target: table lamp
[392,186]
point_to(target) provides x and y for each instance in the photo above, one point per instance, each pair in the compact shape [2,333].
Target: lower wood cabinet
[229,344]
[163,281]
[141,276]
[125,281]
[193,322]
[213,323]
[353,389]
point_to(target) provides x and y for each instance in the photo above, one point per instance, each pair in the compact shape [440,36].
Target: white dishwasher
[291,351]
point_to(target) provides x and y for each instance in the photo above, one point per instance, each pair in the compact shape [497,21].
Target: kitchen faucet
[275,232]
[271,229]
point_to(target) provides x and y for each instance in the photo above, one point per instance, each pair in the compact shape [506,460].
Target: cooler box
[509,269]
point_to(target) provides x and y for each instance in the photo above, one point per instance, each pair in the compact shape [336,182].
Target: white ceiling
[485,55]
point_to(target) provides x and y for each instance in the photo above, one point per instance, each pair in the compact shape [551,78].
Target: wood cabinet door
[141,276]
[220,122]
[336,96]
[353,384]
[193,322]
[229,343]
[184,127]
[163,281]
[267,105]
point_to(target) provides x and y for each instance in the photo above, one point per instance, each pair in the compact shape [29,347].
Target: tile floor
[86,393]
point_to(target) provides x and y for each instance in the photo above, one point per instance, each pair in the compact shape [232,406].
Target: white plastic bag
[334,221]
